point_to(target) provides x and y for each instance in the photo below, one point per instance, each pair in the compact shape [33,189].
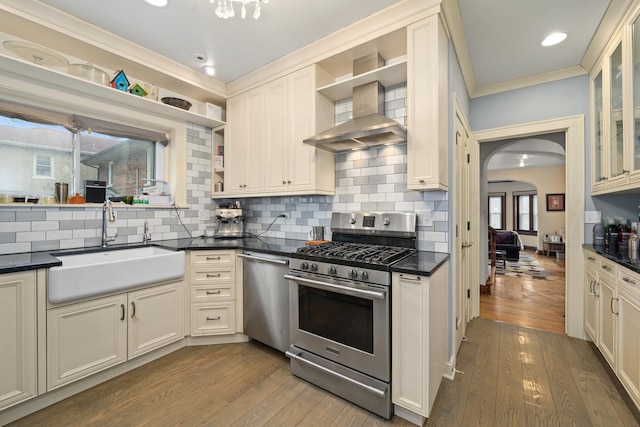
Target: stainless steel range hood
[369,126]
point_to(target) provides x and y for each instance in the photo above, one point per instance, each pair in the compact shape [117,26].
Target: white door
[463,231]
[18,332]
[156,317]
[85,338]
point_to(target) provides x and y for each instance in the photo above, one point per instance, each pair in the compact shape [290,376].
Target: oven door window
[341,318]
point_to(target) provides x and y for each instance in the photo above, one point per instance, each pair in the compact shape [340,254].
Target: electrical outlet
[204,215]
[592,217]
[424,218]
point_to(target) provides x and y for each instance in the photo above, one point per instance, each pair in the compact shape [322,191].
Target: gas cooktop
[356,252]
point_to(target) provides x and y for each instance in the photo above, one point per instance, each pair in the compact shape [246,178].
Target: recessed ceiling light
[157,3]
[200,57]
[209,70]
[553,39]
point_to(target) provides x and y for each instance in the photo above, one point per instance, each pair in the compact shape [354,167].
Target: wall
[547,181]
[27,229]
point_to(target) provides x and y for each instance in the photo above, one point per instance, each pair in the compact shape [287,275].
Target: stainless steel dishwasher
[266,299]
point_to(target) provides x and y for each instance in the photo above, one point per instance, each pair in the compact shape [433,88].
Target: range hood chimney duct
[369,126]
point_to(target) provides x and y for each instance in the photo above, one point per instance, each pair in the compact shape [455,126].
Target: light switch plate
[592,217]
[424,218]
[203,215]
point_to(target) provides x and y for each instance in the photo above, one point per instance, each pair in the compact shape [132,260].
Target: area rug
[526,268]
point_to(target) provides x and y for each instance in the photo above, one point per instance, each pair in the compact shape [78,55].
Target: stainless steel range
[340,306]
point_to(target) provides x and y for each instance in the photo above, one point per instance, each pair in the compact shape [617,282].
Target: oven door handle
[257,258]
[367,387]
[332,287]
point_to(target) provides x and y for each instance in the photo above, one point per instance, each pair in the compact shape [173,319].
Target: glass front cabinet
[615,112]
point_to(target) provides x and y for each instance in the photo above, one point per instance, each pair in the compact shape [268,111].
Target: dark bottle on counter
[612,239]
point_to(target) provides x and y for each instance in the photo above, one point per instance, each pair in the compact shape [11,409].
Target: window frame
[533,212]
[503,208]
[35,174]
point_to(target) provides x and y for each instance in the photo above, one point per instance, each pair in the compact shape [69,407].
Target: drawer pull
[213,258]
[626,279]
[606,268]
[590,258]
[413,279]
[213,275]
[213,318]
[213,292]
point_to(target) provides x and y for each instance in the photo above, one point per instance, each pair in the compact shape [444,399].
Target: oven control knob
[353,274]
[332,270]
[365,275]
[314,267]
[304,266]
[352,221]
[386,221]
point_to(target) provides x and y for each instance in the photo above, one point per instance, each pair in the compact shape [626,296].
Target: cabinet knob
[422,181]
[289,182]
[284,182]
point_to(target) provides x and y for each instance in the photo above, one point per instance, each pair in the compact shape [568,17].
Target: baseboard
[450,371]
[408,415]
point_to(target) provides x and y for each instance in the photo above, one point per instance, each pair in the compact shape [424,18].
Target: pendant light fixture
[225,10]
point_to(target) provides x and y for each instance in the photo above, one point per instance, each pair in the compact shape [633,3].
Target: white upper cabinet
[427,105]
[264,152]
[615,112]
[244,136]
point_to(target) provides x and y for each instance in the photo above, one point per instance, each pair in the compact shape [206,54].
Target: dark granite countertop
[423,263]
[617,257]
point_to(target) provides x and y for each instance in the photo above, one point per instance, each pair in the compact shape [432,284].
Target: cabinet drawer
[212,258]
[591,260]
[211,277]
[607,267]
[212,293]
[213,319]
[629,280]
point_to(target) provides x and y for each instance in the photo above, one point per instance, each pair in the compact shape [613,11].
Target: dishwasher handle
[271,260]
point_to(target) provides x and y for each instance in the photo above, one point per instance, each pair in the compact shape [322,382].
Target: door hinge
[468,293]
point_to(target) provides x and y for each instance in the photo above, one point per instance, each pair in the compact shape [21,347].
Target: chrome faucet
[146,235]
[107,207]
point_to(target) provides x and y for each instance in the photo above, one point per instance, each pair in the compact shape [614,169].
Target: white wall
[549,180]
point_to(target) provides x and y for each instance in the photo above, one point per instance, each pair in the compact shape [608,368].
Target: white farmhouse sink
[92,274]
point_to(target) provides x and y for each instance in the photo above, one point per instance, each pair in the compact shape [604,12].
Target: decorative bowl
[176,102]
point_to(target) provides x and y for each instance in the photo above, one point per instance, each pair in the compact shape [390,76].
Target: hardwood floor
[538,304]
[517,376]
[513,376]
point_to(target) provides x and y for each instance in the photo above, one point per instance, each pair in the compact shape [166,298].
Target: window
[36,155]
[42,166]
[525,208]
[497,208]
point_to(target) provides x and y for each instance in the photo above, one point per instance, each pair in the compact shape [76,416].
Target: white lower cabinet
[90,336]
[18,379]
[419,346]
[592,297]
[629,342]
[216,304]
[618,319]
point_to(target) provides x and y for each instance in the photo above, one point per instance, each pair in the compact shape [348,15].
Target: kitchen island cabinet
[419,345]
[18,369]
[90,336]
